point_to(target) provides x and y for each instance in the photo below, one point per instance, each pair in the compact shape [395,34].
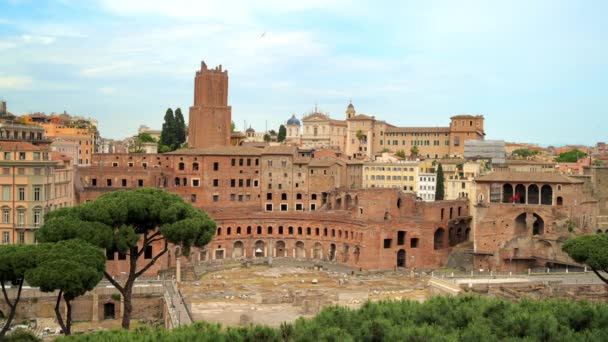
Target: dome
[350,106]
[293,121]
[250,130]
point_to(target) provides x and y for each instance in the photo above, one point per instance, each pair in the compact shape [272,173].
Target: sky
[537,70]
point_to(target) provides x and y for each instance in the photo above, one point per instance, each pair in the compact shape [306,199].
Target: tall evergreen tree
[167,135]
[439,190]
[282,133]
[180,127]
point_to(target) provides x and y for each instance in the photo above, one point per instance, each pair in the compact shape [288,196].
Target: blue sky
[537,70]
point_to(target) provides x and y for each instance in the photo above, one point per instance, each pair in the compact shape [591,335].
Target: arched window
[195,166]
[269,230]
[219,231]
[438,238]
[299,230]
[228,230]
[248,230]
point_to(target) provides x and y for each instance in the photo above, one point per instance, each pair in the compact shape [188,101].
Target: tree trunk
[12,306]
[68,319]
[128,288]
[58,314]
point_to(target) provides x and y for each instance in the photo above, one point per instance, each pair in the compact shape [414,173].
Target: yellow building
[33,182]
[84,136]
[390,172]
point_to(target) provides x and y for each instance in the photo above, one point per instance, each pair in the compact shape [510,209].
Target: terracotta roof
[288,150]
[361,117]
[527,162]
[338,122]
[220,151]
[300,160]
[325,162]
[466,116]
[419,129]
[527,177]
[60,156]
[19,146]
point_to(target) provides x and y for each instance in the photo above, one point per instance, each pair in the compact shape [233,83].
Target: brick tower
[210,116]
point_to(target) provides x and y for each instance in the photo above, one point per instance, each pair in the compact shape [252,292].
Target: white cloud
[15,82]
[107,90]
[222,11]
[44,40]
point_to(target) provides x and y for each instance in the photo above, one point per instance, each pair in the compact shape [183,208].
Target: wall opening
[401,258]
[438,238]
[546,195]
[109,311]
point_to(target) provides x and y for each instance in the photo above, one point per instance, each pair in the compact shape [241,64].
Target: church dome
[250,130]
[293,121]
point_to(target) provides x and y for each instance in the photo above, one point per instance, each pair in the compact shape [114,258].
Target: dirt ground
[272,295]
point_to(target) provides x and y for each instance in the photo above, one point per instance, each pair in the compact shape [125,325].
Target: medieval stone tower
[210,116]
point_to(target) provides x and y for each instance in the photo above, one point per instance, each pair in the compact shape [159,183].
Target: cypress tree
[167,135]
[180,127]
[439,190]
[282,133]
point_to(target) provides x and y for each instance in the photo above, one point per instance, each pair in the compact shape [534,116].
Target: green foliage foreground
[465,318]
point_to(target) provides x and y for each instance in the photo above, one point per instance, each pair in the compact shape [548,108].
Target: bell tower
[209,123]
[350,111]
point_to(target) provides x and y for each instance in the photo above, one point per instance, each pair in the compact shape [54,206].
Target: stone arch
[300,251]
[280,249]
[345,252]
[520,224]
[332,252]
[560,200]
[259,249]
[520,190]
[438,238]
[538,225]
[533,194]
[317,252]
[338,203]
[237,249]
[546,195]
[347,201]
[401,258]
[507,193]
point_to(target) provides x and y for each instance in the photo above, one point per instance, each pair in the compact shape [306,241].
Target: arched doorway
[401,258]
[533,194]
[332,252]
[520,224]
[109,311]
[258,250]
[237,249]
[520,194]
[300,251]
[280,249]
[546,195]
[538,227]
[507,193]
[347,201]
[345,253]
[317,251]
[560,200]
[438,238]
[357,253]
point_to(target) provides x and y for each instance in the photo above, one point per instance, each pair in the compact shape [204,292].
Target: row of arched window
[339,233]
